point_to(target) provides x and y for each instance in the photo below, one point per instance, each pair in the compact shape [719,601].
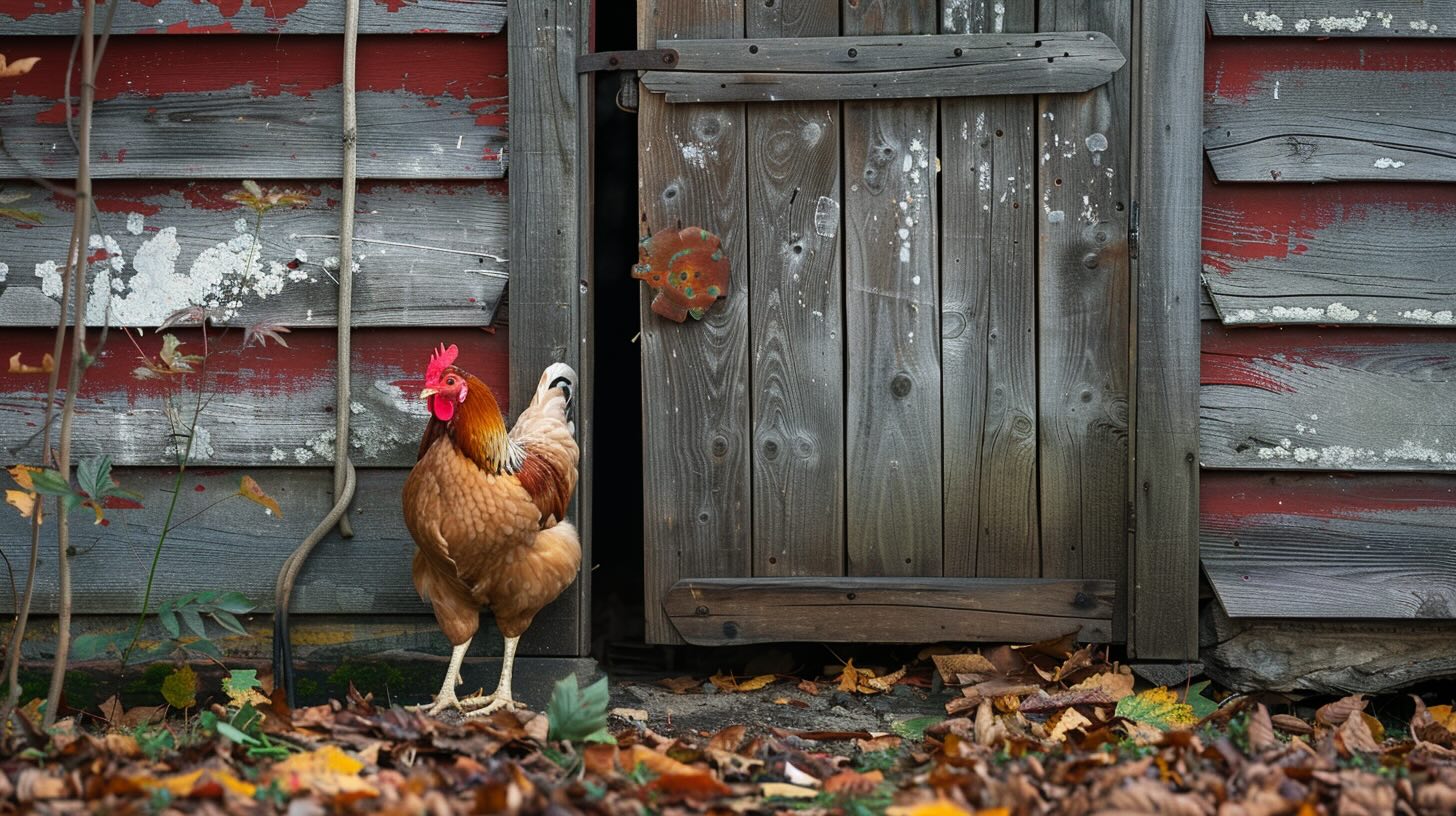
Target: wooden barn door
[913,404]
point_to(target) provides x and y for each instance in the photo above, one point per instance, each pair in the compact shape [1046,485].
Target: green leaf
[1157,707]
[227,621]
[90,647]
[51,483]
[235,735]
[239,681]
[69,502]
[235,602]
[169,620]
[203,646]
[93,474]
[193,619]
[207,719]
[914,729]
[1201,705]
[180,688]
[578,715]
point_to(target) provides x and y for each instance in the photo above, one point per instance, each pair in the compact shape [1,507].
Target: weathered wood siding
[180,121]
[1330,351]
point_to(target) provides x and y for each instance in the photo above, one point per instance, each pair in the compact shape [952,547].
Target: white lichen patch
[1264,21]
[826,217]
[4,272]
[1351,24]
[50,278]
[278,455]
[135,223]
[1333,313]
[1422,25]
[1096,143]
[1445,317]
[200,451]
[697,154]
[1301,25]
[1056,216]
[1387,163]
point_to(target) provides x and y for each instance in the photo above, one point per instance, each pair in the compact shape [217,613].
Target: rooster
[487,510]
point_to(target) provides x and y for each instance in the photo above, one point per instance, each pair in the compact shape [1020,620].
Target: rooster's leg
[501,697]
[446,698]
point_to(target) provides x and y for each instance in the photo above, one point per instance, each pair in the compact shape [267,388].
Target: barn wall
[193,98]
[1329,370]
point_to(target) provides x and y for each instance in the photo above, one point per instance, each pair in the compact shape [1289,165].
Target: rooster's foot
[444,701]
[482,706]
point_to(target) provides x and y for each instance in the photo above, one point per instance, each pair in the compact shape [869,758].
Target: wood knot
[701,611]
[900,386]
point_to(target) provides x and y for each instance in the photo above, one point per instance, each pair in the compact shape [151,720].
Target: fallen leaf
[241,686]
[20,67]
[1290,724]
[202,783]
[250,490]
[634,714]
[327,771]
[854,783]
[809,687]
[697,785]
[1116,684]
[885,683]
[1067,721]
[728,683]
[600,758]
[888,742]
[1355,735]
[179,688]
[939,807]
[849,677]
[1157,707]
[1261,730]
[680,685]
[1340,710]
[658,763]
[951,665]
[728,739]
[35,784]
[783,790]
[47,362]
[797,776]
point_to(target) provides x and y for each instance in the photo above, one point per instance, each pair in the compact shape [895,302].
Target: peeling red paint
[1254,357]
[1225,495]
[210,198]
[393,6]
[185,27]
[459,66]
[1238,68]
[18,11]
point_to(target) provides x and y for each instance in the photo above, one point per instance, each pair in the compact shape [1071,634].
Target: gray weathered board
[797,327]
[271,406]
[427,253]
[1331,18]
[365,576]
[1294,545]
[294,17]
[1390,125]
[696,396]
[1373,258]
[1370,400]
[890,610]
[1084,148]
[988,317]
[1162,585]
[885,67]
[892,318]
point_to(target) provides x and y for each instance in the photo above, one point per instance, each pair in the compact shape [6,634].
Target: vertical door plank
[892,317]
[1163,596]
[1085,170]
[988,315]
[547,214]
[794,204]
[695,375]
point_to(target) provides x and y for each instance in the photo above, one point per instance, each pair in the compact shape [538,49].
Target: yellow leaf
[250,490]
[327,771]
[180,688]
[20,67]
[1064,722]
[21,475]
[184,784]
[784,790]
[22,501]
[47,365]
[757,683]
[849,678]
[660,764]
[1116,685]
[884,683]
[1444,715]
[1157,707]
[940,807]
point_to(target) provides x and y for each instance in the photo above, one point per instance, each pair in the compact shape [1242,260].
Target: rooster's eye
[450,381]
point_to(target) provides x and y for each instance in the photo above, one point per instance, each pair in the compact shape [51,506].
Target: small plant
[578,715]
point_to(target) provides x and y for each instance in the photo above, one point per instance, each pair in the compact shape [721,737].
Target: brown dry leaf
[47,362]
[728,683]
[19,67]
[985,726]
[1062,724]
[35,784]
[697,785]
[680,685]
[1377,728]
[1355,735]
[1443,715]
[853,783]
[634,714]
[1427,729]
[1336,713]
[886,683]
[250,490]
[1435,797]
[1290,724]
[729,763]
[784,790]
[660,764]
[951,665]
[1261,730]
[887,742]
[1117,685]
[728,739]
[809,687]
[202,782]
[122,745]
[849,677]
[600,759]
[327,771]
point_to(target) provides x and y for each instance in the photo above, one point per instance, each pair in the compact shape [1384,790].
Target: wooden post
[547,186]
[1163,561]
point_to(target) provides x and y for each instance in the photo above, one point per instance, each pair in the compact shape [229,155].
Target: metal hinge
[1134,227]
[644,60]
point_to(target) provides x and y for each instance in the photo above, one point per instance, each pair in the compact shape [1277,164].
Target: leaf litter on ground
[1046,728]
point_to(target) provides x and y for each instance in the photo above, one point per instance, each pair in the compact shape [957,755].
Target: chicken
[487,511]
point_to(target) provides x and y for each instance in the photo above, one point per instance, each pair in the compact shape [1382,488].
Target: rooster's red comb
[439,361]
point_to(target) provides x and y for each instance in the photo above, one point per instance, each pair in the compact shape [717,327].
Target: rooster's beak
[427,393]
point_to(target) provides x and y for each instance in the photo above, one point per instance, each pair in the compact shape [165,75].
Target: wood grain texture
[1267,111]
[696,409]
[1314,399]
[885,67]
[1325,656]
[267,107]
[794,206]
[890,610]
[1083,270]
[292,17]
[892,317]
[267,406]
[1163,562]
[988,319]
[1372,254]
[1326,546]
[547,186]
[1329,18]
[428,253]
